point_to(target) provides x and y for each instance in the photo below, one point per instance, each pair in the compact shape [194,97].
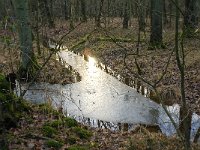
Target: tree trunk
[197,136]
[98,19]
[126,15]
[48,13]
[165,20]
[185,113]
[2,9]
[25,37]
[185,123]
[77,11]
[72,13]
[83,10]
[191,15]
[66,10]
[156,23]
[37,29]
[51,8]
[108,11]
[141,14]
[170,14]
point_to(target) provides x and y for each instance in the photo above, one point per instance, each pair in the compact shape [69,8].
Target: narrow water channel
[101,100]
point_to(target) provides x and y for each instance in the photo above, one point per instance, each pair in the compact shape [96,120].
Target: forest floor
[107,46]
[117,48]
[45,128]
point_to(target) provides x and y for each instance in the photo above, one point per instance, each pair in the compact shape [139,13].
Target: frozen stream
[100,96]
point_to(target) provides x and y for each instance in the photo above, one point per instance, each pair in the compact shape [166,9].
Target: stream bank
[29,135]
[99,97]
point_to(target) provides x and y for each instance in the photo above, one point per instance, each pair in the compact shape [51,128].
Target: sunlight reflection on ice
[91,65]
[101,96]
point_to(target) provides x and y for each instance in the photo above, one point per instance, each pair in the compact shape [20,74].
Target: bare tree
[141,14]
[191,15]
[25,36]
[48,11]
[156,23]
[185,113]
[83,10]
[2,9]
[98,17]
[126,14]
[72,13]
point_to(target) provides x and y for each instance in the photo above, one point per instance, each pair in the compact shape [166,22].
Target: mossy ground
[41,126]
[40,129]
[11,107]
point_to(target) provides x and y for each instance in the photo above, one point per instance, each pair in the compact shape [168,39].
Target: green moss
[10,136]
[10,108]
[45,106]
[48,131]
[69,122]
[71,139]
[131,147]
[77,147]
[2,97]
[56,113]
[56,123]
[29,119]
[1,77]
[22,105]
[59,138]
[47,124]
[114,39]
[54,144]
[82,133]
[4,84]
